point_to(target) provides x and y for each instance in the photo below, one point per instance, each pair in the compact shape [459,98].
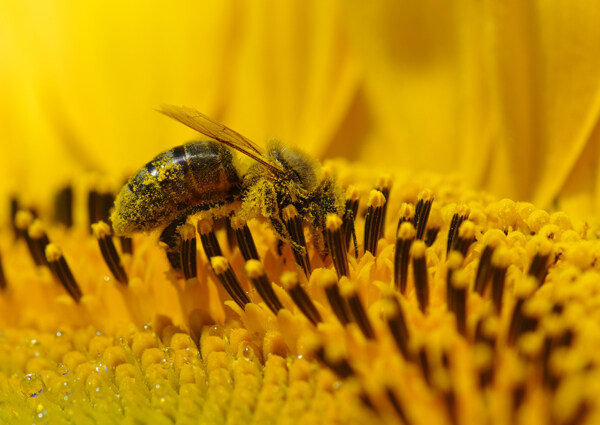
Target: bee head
[299,167]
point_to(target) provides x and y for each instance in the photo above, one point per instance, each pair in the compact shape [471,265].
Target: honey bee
[206,176]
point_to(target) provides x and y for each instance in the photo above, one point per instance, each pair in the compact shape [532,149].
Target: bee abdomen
[175,180]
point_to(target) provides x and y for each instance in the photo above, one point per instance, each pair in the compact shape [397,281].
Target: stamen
[384,185]
[454,263]
[484,364]
[61,271]
[23,220]
[523,289]
[289,280]
[338,304]
[100,201]
[209,239]
[373,221]
[336,243]
[39,240]
[229,280]
[486,330]
[465,237]
[293,223]
[2,275]
[63,206]
[14,209]
[491,239]
[334,360]
[539,264]
[404,240]
[188,251]
[348,290]
[102,232]
[396,405]
[422,210]
[434,225]
[244,238]
[126,245]
[258,277]
[501,259]
[231,237]
[423,360]
[421,279]
[461,214]
[350,214]
[393,314]
[406,214]
[459,284]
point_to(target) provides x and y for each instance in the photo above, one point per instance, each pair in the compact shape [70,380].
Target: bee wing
[221,133]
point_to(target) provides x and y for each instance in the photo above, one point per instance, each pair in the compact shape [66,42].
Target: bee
[206,176]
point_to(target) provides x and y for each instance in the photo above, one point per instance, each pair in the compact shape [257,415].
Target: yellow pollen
[290,212]
[53,252]
[101,229]
[219,264]
[376,199]
[406,231]
[254,269]
[333,222]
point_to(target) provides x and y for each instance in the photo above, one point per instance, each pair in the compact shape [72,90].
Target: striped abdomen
[198,173]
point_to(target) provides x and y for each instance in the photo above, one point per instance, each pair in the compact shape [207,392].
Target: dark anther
[60,269]
[102,233]
[456,289]
[336,243]
[289,280]
[373,221]
[229,280]
[422,210]
[464,238]
[293,224]
[245,241]
[126,245]
[350,215]
[421,278]
[349,291]
[332,291]
[209,239]
[188,251]
[404,240]
[396,321]
[258,277]
[384,185]
[461,214]
[63,206]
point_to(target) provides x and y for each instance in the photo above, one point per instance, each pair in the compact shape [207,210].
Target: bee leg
[172,239]
[285,235]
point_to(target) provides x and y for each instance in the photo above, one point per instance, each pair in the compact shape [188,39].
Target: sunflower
[424,299]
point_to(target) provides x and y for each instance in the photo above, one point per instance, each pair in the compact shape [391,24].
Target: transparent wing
[221,133]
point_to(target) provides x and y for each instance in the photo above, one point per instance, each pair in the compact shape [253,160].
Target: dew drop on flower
[63,369]
[215,331]
[248,353]
[32,385]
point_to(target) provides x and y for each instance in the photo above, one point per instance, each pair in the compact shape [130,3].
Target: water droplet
[101,368]
[167,362]
[148,327]
[248,353]
[216,330]
[32,385]
[123,342]
[65,389]
[63,369]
